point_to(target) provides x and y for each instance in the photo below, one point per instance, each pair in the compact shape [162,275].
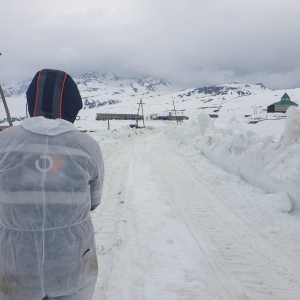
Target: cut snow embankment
[273,166]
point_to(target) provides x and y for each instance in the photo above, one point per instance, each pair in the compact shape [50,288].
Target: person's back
[51,176]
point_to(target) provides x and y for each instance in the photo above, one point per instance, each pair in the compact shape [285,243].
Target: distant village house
[282,105]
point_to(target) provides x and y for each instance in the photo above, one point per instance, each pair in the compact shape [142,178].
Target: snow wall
[273,166]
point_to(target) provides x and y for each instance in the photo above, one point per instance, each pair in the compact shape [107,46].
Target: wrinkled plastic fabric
[50,176]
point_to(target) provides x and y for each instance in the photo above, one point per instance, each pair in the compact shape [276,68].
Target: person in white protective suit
[51,177]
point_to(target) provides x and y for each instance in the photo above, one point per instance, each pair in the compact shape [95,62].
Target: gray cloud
[192,42]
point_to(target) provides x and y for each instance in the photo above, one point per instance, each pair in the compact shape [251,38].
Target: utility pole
[175,111]
[5,105]
[137,116]
[27,111]
[255,107]
[141,103]
[218,110]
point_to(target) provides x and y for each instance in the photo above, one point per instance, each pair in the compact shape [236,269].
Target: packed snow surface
[192,211]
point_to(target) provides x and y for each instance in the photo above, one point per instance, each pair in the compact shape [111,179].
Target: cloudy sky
[188,42]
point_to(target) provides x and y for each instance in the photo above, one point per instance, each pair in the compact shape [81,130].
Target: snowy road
[175,226]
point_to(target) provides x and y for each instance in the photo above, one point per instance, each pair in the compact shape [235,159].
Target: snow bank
[291,132]
[273,166]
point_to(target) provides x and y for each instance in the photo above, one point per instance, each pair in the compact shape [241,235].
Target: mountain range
[109,93]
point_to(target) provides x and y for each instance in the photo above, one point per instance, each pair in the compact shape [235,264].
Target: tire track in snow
[163,256]
[262,273]
[292,261]
[108,218]
[139,263]
[231,292]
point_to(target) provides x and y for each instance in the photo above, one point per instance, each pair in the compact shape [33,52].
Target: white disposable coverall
[50,176]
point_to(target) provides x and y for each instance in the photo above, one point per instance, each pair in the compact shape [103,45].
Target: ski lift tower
[175,112]
[137,116]
[5,105]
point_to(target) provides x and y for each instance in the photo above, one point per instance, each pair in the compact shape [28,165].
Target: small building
[214,116]
[282,105]
[108,116]
[172,118]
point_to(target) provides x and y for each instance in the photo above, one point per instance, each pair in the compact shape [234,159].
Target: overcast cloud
[192,42]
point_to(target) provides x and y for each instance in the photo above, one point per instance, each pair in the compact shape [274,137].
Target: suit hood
[44,126]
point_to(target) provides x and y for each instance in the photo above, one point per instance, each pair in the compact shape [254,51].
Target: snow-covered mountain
[213,99]
[13,89]
[98,90]
[106,89]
